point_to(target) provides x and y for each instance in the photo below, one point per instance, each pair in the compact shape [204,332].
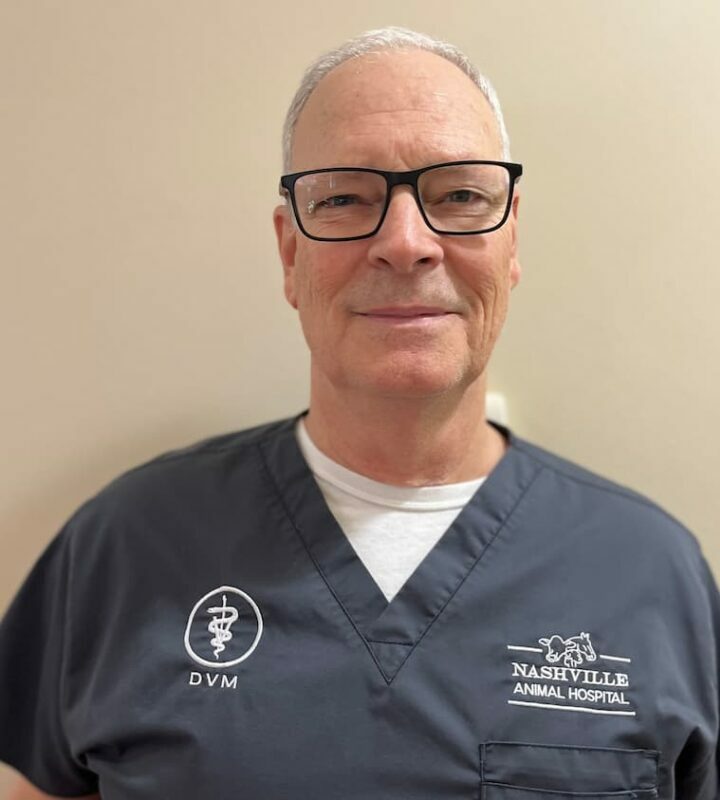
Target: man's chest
[272,683]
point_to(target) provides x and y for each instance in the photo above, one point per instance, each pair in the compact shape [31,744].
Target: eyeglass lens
[465,198]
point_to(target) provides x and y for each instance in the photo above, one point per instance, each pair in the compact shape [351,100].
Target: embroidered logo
[572,652]
[560,683]
[223,618]
[223,628]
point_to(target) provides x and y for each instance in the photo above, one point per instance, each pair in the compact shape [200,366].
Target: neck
[406,441]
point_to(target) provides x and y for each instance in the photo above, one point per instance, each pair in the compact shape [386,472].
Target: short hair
[377,41]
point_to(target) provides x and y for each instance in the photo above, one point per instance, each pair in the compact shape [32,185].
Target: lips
[406,311]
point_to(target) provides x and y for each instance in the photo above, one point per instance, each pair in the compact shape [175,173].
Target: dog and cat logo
[561,682]
[572,652]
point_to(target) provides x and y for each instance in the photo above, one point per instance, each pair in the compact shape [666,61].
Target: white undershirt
[391,528]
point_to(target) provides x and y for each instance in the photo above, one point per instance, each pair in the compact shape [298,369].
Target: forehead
[395,110]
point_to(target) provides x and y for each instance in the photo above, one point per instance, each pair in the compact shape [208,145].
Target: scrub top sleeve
[697,769]
[33,643]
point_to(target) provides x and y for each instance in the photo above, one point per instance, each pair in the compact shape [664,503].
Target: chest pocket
[524,771]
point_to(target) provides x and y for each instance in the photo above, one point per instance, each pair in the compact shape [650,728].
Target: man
[386,596]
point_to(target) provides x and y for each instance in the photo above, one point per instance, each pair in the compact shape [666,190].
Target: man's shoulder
[564,467]
[622,504]
[183,475]
[214,448]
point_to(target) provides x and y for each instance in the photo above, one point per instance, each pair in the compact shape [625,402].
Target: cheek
[321,278]
[483,278]
[317,294]
[483,271]
[323,315]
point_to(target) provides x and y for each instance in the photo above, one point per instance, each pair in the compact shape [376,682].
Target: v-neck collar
[392,629]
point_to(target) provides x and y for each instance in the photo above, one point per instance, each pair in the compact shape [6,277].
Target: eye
[334,201]
[338,200]
[463,196]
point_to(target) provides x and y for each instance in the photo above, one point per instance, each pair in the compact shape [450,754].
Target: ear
[286,234]
[515,269]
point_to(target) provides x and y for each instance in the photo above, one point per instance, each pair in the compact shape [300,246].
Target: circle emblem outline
[215,664]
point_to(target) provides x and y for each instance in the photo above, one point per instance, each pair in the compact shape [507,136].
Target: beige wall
[140,292]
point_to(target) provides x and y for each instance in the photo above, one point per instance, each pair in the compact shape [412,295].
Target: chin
[411,382]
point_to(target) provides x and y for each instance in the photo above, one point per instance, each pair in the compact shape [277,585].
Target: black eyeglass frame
[407,177]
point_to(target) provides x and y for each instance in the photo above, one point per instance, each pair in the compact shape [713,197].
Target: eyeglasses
[459,198]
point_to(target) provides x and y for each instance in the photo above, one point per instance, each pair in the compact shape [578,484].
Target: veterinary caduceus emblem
[220,625]
[223,628]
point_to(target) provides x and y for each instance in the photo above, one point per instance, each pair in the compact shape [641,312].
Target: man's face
[398,111]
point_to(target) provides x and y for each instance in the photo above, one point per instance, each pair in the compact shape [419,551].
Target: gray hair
[390,38]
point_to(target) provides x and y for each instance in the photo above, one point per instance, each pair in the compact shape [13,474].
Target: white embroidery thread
[594,688]
[223,617]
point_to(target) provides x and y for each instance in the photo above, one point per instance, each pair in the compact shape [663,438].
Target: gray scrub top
[202,628]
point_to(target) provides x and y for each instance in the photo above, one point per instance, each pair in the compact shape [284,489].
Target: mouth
[406,312]
[409,316]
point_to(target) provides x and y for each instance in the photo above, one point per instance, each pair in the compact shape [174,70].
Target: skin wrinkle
[431,132]
[403,406]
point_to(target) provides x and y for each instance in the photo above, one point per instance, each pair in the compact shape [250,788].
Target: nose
[404,241]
